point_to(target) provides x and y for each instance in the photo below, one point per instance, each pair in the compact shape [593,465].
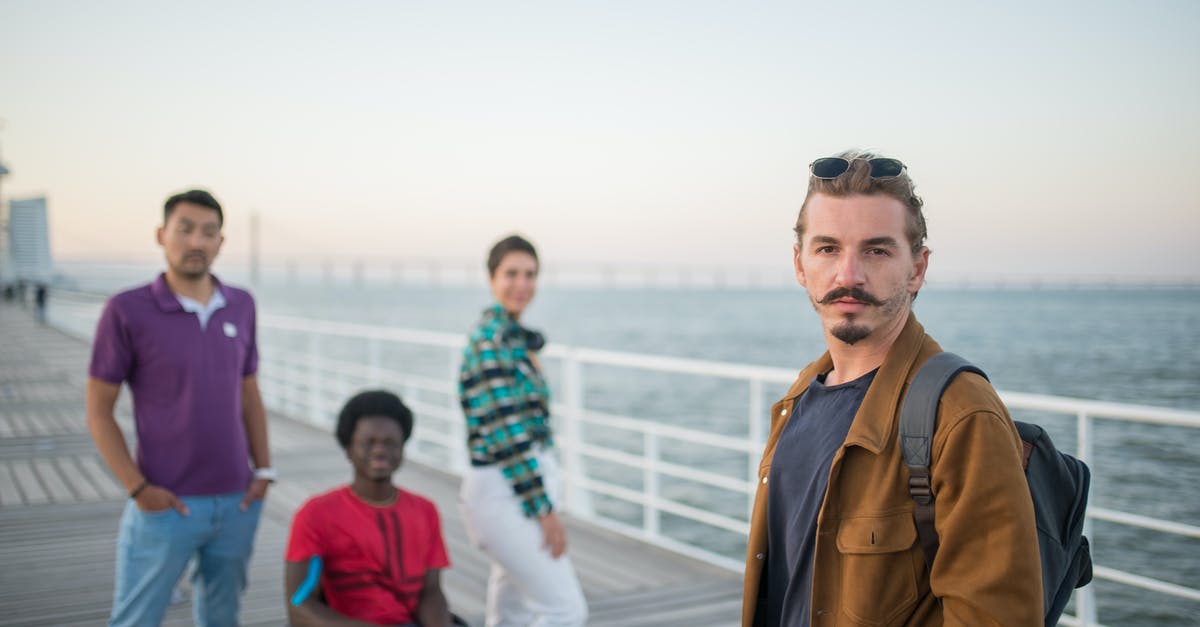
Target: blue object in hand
[310,581]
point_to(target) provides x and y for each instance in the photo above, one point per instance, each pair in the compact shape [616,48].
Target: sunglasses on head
[828,168]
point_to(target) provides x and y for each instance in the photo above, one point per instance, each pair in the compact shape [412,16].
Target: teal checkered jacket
[507,406]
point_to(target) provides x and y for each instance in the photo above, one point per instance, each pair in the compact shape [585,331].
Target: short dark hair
[195,197]
[510,244]
[372,403]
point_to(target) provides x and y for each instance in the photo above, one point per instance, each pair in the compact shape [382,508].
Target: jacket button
[759,556]
[764,479]
[783,412]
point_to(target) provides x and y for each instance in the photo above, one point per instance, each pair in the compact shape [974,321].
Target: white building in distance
[27,255]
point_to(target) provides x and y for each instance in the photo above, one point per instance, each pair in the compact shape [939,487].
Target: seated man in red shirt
[380,547]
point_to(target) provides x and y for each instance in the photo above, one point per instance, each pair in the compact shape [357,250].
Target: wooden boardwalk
[59,508]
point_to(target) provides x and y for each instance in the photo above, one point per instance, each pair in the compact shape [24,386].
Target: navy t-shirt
[795,489]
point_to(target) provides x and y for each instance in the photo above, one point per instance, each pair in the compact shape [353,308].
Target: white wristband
[266,473]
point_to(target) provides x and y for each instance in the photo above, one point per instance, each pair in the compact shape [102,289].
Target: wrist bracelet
[138,490]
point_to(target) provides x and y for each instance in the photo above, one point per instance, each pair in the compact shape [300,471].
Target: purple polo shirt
[186,383]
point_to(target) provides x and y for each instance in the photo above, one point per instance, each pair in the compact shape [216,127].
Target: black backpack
[1058,483]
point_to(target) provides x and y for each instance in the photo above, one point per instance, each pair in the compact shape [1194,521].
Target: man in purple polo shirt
[185,345]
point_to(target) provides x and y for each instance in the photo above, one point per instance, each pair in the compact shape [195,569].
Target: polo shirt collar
[165,298]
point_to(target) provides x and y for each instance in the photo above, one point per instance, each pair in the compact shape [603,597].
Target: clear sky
[1047,138]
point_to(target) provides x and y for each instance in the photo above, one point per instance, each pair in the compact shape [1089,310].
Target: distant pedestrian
[185,345]
[39,300]
[509,495]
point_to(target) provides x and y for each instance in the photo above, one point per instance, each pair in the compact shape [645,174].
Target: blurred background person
[509,494]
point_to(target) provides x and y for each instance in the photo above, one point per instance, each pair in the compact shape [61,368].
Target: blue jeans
[153,549]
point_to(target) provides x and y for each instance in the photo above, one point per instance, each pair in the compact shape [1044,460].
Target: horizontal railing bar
[666,505]
[357,370]
[429,410]
[667,468]
[732,443]
[671,544]
[661,363]
[1146,583]
[1072,621]
[351,329]
[1102,410]
[702,476]
[613,455]
[616,491]
[430,435]
[300,380]
[1146,522]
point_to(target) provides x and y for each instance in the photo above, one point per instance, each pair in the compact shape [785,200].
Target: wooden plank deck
[59,509]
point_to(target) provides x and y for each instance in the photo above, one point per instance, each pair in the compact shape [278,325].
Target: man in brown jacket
[832,536]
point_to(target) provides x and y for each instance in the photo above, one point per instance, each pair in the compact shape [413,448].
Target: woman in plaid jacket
[509,495]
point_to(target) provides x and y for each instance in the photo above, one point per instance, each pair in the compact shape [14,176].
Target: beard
[190,269]
[850,333]
[850,330]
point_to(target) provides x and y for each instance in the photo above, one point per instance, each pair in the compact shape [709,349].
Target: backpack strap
[918,419]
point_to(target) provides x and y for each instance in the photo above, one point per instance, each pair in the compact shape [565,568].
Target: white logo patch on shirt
[230,330]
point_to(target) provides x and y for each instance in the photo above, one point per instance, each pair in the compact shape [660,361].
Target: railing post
[757,437]
[292,401]
[410,392]
[268,378]
[1085,597]
[650,521]
[458,421]
[578,502]
[286,374]
[373,362]
[314,379]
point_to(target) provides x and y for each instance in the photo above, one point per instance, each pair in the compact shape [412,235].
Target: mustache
[856,293]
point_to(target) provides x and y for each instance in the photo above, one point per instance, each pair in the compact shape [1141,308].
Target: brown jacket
[868,566]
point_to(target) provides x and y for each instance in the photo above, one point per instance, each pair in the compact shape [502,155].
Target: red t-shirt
[374,558]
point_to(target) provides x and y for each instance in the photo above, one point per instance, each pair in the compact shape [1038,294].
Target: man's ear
[796,263]
[920,265]
[159,233]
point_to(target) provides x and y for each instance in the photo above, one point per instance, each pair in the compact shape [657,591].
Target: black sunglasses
[832,167]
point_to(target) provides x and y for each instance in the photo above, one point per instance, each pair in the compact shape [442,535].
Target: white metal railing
[302,376]
[571,415]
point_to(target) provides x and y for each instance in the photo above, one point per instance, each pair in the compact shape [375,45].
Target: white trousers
[527,587]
